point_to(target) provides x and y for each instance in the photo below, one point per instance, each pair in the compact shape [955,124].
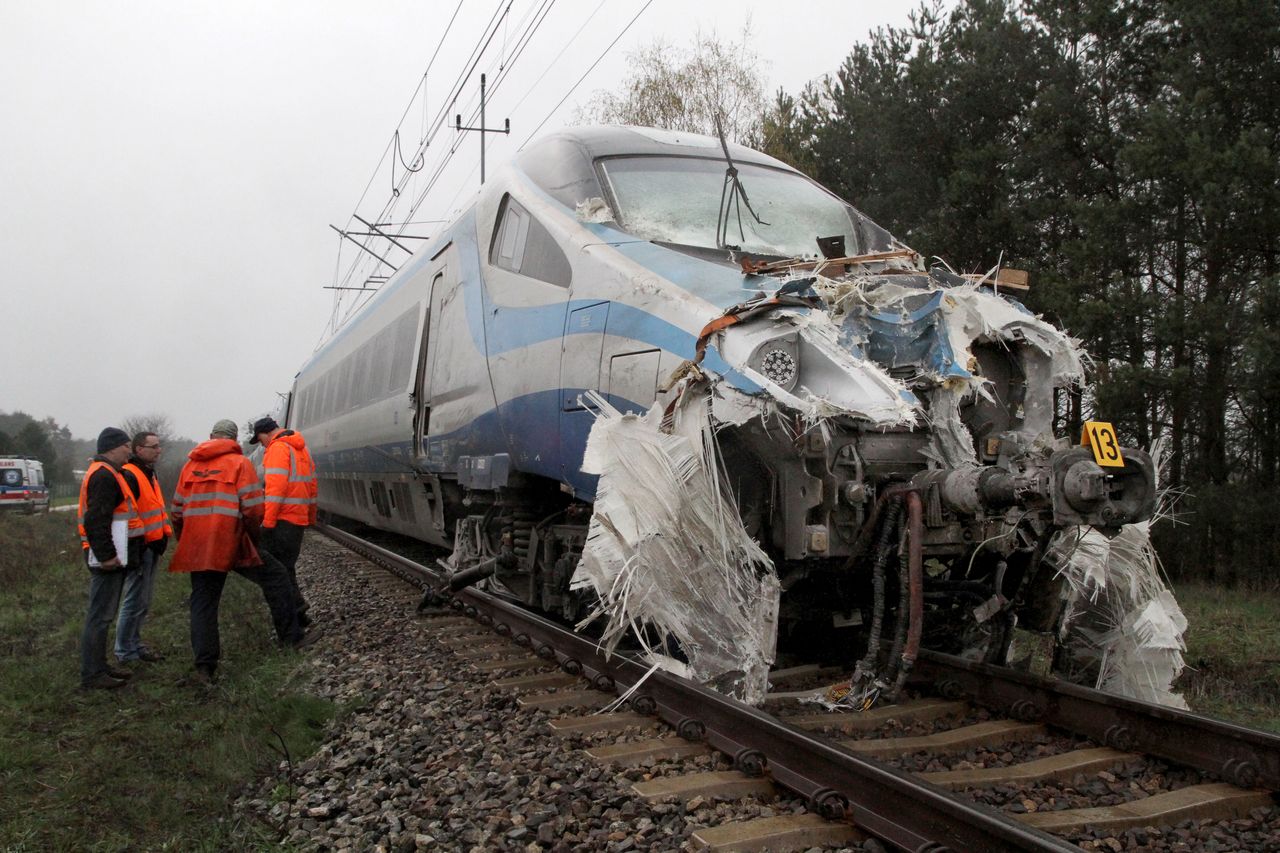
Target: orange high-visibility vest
[126,510]
[289,479]
[155,522]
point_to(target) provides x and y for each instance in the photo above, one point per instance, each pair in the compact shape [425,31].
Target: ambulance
[22,484]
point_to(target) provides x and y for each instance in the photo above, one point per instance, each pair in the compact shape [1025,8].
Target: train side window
[523,245]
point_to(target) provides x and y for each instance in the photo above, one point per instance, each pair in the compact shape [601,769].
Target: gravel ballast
[428,755]
[431,757]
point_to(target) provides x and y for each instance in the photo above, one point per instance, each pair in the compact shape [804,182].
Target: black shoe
[304,620]
[102,681]
[202,677]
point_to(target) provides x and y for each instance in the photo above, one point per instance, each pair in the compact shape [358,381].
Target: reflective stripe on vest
[126,510]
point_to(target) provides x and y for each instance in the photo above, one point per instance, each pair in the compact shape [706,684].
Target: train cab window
[523,245]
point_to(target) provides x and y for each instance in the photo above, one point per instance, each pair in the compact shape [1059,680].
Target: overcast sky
[169,170]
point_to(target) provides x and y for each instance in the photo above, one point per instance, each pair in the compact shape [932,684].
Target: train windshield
[678,200]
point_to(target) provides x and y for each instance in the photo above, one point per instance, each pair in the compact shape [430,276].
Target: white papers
[120,538]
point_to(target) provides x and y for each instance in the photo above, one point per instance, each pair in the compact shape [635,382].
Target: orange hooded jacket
[217,509]
[290,480]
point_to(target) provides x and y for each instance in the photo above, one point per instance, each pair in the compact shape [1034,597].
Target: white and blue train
[609,259]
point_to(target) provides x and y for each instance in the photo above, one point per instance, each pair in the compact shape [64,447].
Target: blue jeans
[134,606]
[104,602]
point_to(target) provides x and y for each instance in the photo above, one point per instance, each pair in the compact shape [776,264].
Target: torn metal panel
[1122,627]
[799,361]
[666,551]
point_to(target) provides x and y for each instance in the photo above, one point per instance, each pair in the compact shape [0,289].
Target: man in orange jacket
[217,513]
[289,477]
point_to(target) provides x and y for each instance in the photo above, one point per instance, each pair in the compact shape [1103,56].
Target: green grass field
[1233,654]
[150,766]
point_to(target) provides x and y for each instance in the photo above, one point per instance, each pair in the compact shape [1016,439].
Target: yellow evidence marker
[1100,437]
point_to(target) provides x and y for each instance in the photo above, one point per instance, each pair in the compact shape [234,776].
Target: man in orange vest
[217,513]
[112,540]
[289,477]
[140,475]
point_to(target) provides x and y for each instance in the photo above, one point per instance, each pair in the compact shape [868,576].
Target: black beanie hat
[111,438]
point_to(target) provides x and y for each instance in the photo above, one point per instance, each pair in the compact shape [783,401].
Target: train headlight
[778,360]
[780,366]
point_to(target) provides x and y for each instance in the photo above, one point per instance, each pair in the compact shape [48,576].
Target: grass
[1233,654]
[151,766]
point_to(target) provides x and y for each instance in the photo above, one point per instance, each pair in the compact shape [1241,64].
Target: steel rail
[1244,757]
[887,803]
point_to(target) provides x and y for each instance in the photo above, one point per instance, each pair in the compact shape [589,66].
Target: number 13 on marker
[1100,437]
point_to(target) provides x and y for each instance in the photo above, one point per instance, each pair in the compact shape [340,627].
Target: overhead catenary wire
[538,15]
[574,87]
[428,178]
[554,60]
[477,51]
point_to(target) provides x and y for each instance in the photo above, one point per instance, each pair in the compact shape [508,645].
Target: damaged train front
[888,433]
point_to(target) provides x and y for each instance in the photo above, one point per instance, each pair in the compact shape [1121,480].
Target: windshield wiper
[732,196]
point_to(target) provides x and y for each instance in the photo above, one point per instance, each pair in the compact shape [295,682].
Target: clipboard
[119,538]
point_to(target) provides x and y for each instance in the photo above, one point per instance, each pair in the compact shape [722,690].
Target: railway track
[887,776]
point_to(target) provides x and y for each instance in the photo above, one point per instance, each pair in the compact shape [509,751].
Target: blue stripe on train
[552,443]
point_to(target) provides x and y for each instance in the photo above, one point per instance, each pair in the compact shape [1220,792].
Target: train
[668,384]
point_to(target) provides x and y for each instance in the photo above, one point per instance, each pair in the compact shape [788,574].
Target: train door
[582,351]
[527,281]
[421,384]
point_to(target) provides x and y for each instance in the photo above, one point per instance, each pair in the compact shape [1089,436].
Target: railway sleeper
[1064,766]
[777,834]
[991,733]
[1214,801]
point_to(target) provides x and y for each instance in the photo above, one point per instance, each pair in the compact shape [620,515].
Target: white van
[22,484]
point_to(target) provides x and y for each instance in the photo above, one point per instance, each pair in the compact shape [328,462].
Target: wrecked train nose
[1068,483]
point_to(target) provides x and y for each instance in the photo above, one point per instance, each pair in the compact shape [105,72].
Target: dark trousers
[284,542]
[104,601]
[206,595]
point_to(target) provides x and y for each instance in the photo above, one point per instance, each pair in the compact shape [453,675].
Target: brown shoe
[102,681]
[150,655]
[308,639]
[119,672]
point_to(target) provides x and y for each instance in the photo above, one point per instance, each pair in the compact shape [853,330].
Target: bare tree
[688,89]
[155,422]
